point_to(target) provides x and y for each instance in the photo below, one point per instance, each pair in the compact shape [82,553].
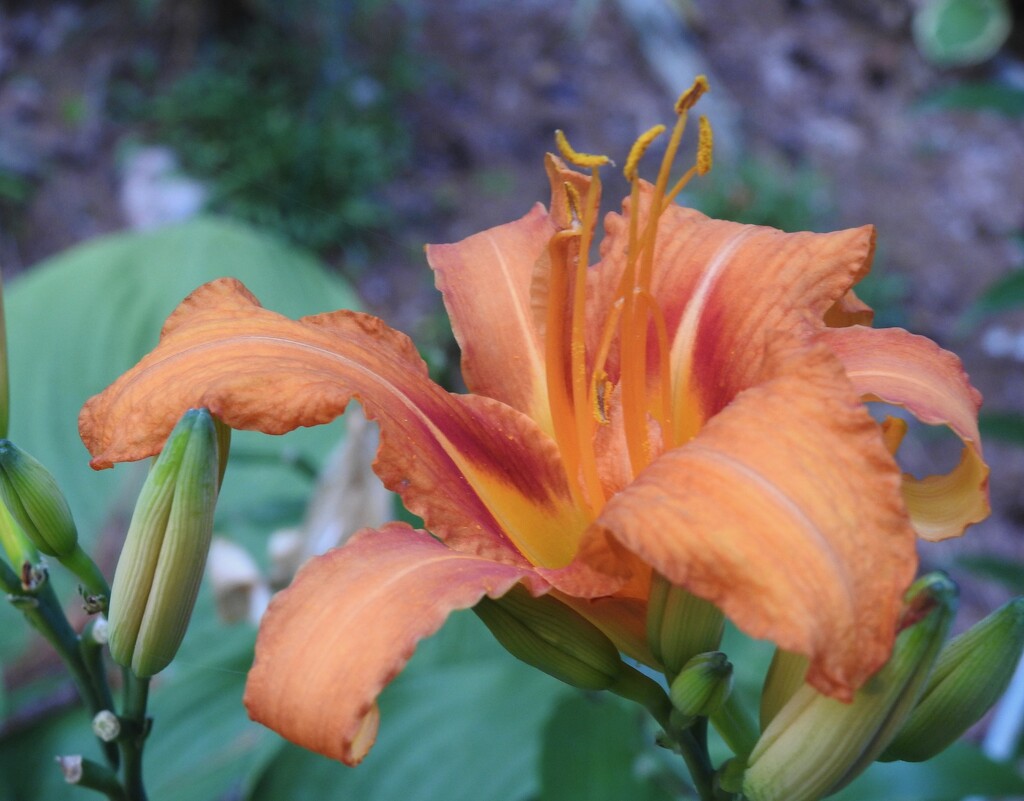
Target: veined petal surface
[784,511]
[897,367]
[482,475]
[348,624]
[486,282]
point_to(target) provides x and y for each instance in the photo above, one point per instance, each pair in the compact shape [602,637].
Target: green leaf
[457,732]
[961,771]
[592,750]
[203,746]
[982,96]
[1005,294]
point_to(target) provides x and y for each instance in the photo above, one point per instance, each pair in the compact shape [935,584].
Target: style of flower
[691,404]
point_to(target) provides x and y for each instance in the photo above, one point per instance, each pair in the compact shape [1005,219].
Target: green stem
[135,728]
[9,581]
[86,773]
[635,686]
[736,726]
[93,581]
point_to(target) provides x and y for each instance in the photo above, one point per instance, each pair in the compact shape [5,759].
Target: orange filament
[578,353]
[660,405]
[554,360]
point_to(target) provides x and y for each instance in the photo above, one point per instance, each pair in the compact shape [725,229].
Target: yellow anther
[689,98]
[705,147]
[578,159]
[639,148]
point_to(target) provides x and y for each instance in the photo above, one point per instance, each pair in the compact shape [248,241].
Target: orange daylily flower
[690,404]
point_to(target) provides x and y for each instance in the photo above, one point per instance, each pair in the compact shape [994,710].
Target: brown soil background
[831,86]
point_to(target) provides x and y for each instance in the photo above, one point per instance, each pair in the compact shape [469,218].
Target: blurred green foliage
[293,122]
[958,33]
[999,98]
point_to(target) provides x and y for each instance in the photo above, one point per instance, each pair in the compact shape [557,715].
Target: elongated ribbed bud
[815,745]
[701,687]
[36,502]
[547,634]
[785,676]
[680,625]
[161,564]
[971,673]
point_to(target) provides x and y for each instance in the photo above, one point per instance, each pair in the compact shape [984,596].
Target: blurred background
[328,140]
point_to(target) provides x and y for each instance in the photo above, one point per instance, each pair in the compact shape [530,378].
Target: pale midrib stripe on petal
[783,501]
[686,334]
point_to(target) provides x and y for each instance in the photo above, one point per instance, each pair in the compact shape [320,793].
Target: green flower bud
[547,634]
[785,676]
[164,555]
[18,548]
[702,686]
[36,502]
[971,673]
[680,625]
[816,745]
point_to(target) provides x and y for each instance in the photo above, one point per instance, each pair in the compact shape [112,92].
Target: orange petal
[348,624]
[725,289]
[900,368]
[486,283]
[482,475]
[785,512]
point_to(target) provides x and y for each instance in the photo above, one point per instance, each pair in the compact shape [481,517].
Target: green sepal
[547,634]
[702,686]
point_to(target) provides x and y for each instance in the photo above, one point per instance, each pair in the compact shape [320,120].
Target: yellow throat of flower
[579,396]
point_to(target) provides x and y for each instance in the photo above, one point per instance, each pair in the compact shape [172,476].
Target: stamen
[604,347]
[689,98]
[572,197]
[555,363]
[578,353]
[586,160]
[705,146]
[639,148]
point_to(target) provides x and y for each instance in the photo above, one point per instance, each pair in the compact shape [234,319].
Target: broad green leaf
[456,732]
[957,773]
[1006,571]
[592,750]
[203,746]
[27,768]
